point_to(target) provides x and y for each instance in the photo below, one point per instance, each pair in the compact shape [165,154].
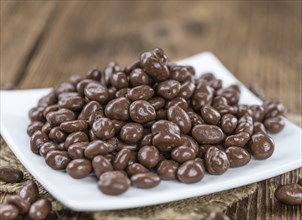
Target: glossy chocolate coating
[216,161]
[74,126]
[210,115]
[261,146]
[37,140]
[237,156]
[136,168]
[290,194]
[202,96]
[131,133]
[190,172]
[55,118]
[57,160]
[167,169]
[101,165]
[89,109]
[75,137]
[103,128]
[145,180]
[98,147]
[113,183]
[29,191]
[76,150]
[274,125]
[10,175]
[143,92]
[57,135]
[34,126]
[166,135]
[207,134]
[182,154]
[228,123]
[8,211]
[142,112]
[139,77]
[179,117]
[148,156]
[122,159]
[96,92]
[239,139]
[39,209]
[118,109]
[16,200]
[168,89]
[79,168]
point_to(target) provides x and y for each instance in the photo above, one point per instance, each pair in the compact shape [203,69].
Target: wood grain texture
[259,41]
[22,28]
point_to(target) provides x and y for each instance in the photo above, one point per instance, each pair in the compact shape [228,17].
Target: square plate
[83,195]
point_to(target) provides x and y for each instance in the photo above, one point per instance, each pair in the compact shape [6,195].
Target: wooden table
[44,42]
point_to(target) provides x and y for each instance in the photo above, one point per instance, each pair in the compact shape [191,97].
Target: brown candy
[259,128]
[101,165]
[231,93]
[96,92]
[57,135]
[29,191]
[47,147]
[168,89]
[8,211]
[122,159]
[167,169]
[37,140]
[139,77]
[154,65]
[136,168]
[148,156]
[131,133]
[178,101]
[49,99]
[22,204]
[274,125]
[89,109]
[237,156]
[143,92]
[195,118]
[74,126]
[75,137]
[261,146]
[202,96]
[142,112]
[186,90]
[76,150]
[273,109]
[216,161]
[39,209]
[10,174]
[166,135]
[157,102]
[179,117]
[118,109]
[103,128]
[217,216]
[57,160]
[73,103]
[182,154]
[190,172]
[113,183]
[245,124]
[79,168]
[180,73]
[289,194]
[55,118]
[145,180]
[207,134]
[98,147]
[210,115]
[36,114]
[257,112]
[119,80]
[239,139]
[34,126]
[228,123]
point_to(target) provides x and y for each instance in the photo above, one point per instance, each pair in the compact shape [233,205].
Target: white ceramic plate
[83,195]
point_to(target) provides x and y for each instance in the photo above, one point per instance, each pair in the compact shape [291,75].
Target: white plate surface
[83,195]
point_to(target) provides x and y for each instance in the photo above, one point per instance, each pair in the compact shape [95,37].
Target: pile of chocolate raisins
[149,121]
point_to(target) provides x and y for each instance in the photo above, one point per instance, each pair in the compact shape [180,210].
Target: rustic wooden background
[44,42]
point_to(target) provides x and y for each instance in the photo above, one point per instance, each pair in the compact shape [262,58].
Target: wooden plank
[22,25]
